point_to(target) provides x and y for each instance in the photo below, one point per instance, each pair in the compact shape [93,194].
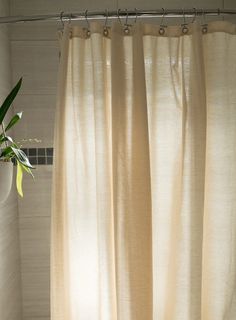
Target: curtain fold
[144,181]
[131,177]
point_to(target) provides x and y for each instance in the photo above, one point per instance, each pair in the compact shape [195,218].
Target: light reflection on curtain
[144,187]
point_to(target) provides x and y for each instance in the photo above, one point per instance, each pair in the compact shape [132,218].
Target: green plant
[9,150]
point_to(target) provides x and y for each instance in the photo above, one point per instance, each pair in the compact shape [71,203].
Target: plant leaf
[6,138]
[9,99]
[6,153]
[14,120]
[28,170]
[19,176]
[21,157]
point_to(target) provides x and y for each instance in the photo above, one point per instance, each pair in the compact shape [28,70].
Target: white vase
[6,175]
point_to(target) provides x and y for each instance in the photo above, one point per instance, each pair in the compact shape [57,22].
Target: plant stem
[4,133]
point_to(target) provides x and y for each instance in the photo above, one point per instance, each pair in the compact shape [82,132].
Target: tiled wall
[10,275]
[34,211]
[35,56]
[39,156]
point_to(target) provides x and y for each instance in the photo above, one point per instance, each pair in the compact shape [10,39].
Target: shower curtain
[144,182]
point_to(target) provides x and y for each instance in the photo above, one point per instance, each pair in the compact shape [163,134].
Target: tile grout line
[39,156]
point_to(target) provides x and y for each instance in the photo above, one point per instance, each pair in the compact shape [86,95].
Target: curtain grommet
[105,32]
[185,29]
[204,29]
[87,33]
[126,30]
[162,30]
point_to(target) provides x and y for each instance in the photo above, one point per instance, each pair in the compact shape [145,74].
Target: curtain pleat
[59,268]
[144,181]
[219,245]
[131,178]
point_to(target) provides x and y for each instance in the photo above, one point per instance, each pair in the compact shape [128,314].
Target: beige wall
[10,276]
[35,56]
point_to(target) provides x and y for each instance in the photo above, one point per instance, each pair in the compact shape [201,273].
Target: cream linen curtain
[144,187]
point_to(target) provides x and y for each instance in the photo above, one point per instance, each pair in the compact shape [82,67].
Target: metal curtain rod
[101,15]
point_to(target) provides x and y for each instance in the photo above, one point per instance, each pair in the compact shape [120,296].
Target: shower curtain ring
[61,19]
[88,33]
[204,25]
[184,25]
[126,29]
[195,15]
[163,15]
[162,26]
[136,17]
[105,29]
[118,16]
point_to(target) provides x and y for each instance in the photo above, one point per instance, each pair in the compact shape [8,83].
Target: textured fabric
[144,183]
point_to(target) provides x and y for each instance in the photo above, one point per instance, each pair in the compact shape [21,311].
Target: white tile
[36,293]
[37,194]
[35,31]
[35,242]
[230,4]
[169,4]
[56,6]
[10,301]
[4,7]
[37,62]
[37,120]
[10,288]
[9,250]
[5,78]
[35,266]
